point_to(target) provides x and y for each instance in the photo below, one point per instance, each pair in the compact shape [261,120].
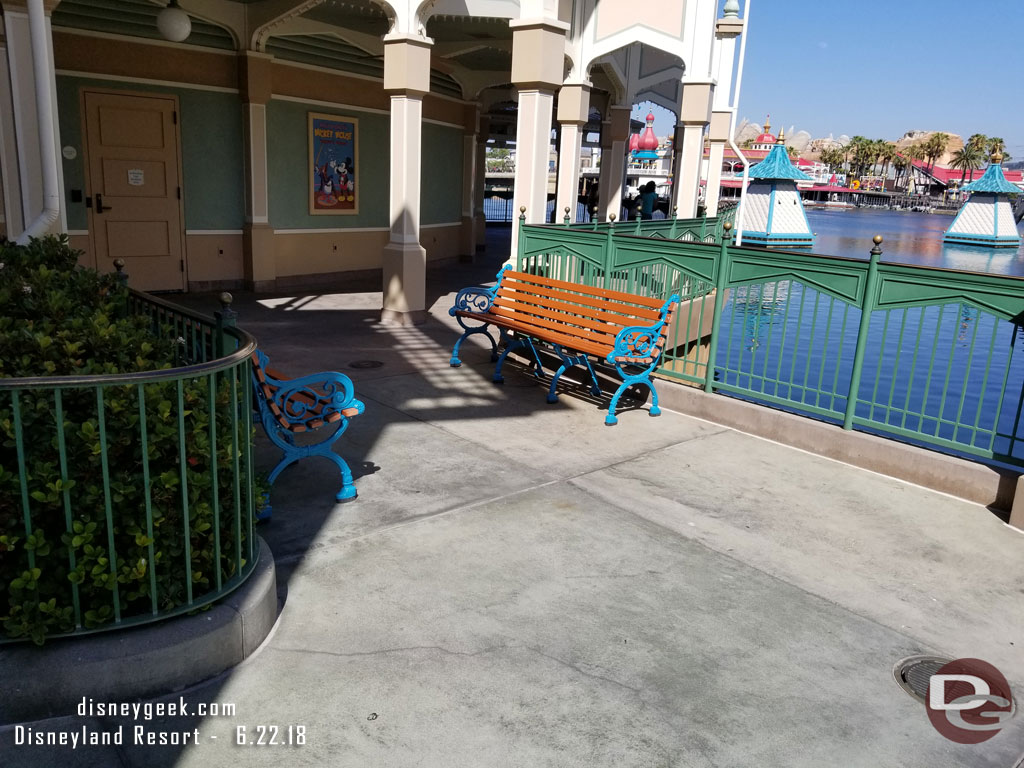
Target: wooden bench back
[268,381]
[574,315]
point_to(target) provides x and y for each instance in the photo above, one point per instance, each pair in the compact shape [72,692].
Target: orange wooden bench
[288,407]
[578,322]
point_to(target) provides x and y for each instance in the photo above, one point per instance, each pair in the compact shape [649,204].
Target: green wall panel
[289,170]
[211,146]
[441,198]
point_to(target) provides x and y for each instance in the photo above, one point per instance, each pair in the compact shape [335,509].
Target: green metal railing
[155,496]
[930,354]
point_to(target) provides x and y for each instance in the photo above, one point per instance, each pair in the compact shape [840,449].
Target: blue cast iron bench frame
[288,407]
[578,322]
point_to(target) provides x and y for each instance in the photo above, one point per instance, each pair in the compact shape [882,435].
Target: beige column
[538,55]
[259,265]
[21,136]
[694,117]
[467,239]
[404,260]
[480,231]
[719,134]
[613,162]
[573,110]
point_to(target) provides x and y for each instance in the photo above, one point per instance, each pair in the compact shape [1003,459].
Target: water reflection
[909,238]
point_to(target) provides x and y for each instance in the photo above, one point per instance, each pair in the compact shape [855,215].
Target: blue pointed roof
[993,182]
[777,165]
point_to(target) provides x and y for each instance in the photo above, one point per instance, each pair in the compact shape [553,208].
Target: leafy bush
[57,319]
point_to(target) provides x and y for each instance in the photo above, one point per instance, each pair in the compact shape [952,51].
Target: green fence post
[703,227]
[521,249]
[721,278]
[609,251]
[566,219]
[867,307]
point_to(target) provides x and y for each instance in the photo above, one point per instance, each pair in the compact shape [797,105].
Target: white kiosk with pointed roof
[986,219]
[774,213]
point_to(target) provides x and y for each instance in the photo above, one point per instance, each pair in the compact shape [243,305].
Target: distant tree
[499,159]
[966,159]
[977,141]
[935,147]
[996,144]
[886,153]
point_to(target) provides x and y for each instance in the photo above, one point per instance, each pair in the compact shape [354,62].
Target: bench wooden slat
[542,324]
[629,298]
[552,311]
[559,302]
[551,336]
[585,300]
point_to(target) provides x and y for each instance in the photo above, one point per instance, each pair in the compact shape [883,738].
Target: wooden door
[134,183]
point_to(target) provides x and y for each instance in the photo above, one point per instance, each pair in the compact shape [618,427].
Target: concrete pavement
[519,585]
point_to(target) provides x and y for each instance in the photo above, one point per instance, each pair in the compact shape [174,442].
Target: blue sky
[879,68]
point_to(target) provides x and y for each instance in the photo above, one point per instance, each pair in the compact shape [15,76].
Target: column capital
[720,122]
[698,96]
[407,64]
[538,53]
[574,103]
[728,27]
[254,76]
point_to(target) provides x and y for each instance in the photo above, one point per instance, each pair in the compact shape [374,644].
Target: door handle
[99,204]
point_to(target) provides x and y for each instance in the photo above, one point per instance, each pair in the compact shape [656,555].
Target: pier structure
[987,218]
[774,214]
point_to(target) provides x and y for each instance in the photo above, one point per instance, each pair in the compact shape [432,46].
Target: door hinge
[179,193]
[174,116]
[181,263]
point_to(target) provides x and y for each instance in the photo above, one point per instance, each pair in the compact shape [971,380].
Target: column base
[480,231]
[404,268]
[396,317]
[258,262]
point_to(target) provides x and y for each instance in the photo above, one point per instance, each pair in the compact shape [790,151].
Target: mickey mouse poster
[332,159]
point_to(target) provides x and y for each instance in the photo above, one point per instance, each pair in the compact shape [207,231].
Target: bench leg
[294,453]
[627,381]
[519,341]
[455,362]
[570,361]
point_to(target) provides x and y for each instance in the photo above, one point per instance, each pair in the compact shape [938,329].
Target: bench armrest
[637,342]
[476,299]
[308,398]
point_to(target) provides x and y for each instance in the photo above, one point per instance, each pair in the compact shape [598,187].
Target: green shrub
[57,319]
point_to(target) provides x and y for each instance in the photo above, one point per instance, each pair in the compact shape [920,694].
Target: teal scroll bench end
[288,407]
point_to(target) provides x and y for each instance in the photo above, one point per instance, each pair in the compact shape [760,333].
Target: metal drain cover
[365,364]
[913,674]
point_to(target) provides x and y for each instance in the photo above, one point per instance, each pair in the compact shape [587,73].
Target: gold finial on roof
[782,136]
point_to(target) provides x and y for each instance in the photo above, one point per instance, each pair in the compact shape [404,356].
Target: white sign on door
[136,177]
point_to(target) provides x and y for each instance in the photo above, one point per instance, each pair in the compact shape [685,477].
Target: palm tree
[913,153]
[995,144]
[977,141]
[887,153]
[966,159]
[935,147]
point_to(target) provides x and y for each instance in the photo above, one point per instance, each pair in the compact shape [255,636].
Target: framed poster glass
[332,157]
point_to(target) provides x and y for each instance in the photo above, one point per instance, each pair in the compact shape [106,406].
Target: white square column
[573,110]
[694,117]
[613,162]
[404,260]
[718,134]
[538,53]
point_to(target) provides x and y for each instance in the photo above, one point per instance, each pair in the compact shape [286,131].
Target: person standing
[648,197]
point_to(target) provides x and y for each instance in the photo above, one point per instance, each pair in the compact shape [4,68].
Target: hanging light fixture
[173,23]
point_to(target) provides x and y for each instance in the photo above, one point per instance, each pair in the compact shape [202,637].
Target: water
[908,238]
[946,371]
